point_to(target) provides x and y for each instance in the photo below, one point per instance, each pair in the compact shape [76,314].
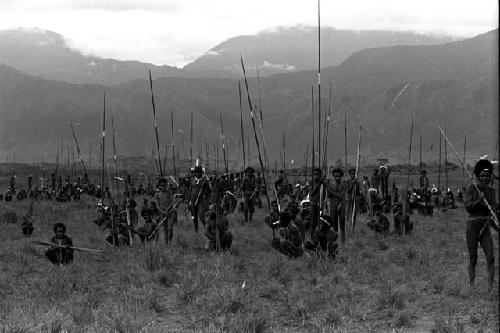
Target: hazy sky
[175,32]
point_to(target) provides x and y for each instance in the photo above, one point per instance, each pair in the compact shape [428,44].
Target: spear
[319,85]
[90,157]
[327,126]
[446,167]
[223,143]
[241,127]
[114,157]
[78,148]
[260,100]
[439,165]
[420,158]
[463,169]
[191,142]
[103,146]
[173,141]
[355,187]
[408,172]
[345,136]
[83,249]
[155,124]
[313,135]
[493,215]
[256,137]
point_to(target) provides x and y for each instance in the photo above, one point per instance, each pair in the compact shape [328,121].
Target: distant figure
[60,255]
[375,179]
[384,181]
[27,226]
[222,226]
[424,182]
[337,191]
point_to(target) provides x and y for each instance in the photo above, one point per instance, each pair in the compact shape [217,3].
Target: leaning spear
[156,127]
[78,148]
[223,143]
[256,138]
[241,127]
[405,194]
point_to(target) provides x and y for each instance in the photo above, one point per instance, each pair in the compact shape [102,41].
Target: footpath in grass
[414,283]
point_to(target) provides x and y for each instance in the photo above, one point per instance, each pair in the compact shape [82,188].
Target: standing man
[200,190]
[249,191]
[337,195]
[352,196]
[384,181]
[168,215]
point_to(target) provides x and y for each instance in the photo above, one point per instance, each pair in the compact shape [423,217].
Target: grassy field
[377,284]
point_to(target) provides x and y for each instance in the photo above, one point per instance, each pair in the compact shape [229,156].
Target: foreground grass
[378,284]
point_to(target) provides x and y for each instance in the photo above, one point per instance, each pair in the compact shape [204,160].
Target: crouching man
[289,241]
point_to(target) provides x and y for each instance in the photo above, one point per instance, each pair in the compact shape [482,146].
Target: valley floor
[414,283]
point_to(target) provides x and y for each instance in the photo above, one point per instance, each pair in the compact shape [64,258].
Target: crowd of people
[307,216]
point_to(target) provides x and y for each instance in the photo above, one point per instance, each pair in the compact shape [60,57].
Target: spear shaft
[173,142]
[223,143]
[241,126]
[155,124]
[319,86]
[191,142]
[408,172]
[256,137]
[78,148]
[103,147]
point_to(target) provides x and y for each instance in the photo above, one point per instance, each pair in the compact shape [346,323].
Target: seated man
[324,238]
[399,220]
[225,236]
[379,222]
[27,226]
[146,232]
[60,255]
[290,240]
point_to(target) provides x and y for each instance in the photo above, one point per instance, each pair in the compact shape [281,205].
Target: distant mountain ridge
[46,54]
[280,50]
[453,85]
[289,49]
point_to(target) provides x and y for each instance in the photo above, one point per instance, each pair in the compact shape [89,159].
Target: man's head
[383,169]
[375,172]
[352,173]
[337,174]
[198,171]
[483,170]
[59,229]
[317,173]
[285,219]
[162,184]
[423,172]
[249,171]
[274,205]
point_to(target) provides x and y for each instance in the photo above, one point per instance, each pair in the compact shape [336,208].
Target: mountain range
[280,50]
[454,85]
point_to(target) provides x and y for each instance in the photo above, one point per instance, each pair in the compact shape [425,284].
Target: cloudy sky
[175,32]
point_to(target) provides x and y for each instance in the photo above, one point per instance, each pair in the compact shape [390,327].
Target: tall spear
[223,143]
[355,189]
[114,157]
[345,136]
[327,126]
[319,85]
[90,157]
[445,166]
[191,142]
[256,138]
[173,142]
[260,99]
[420,157]
[439,165]
[78,148]
[156,127]
[463,167]
[103,146]
[313,136]
[283,147]
[405,194]
[241,127]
